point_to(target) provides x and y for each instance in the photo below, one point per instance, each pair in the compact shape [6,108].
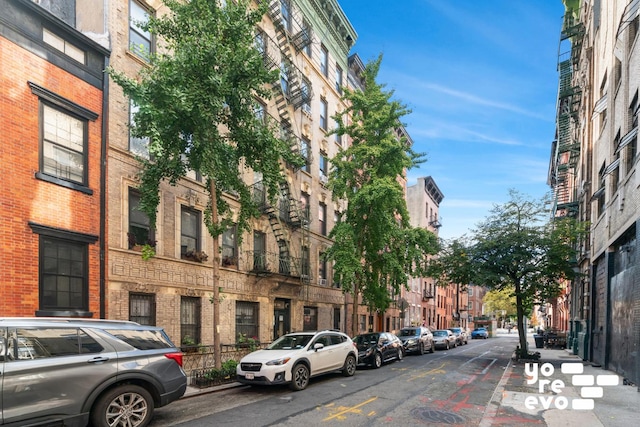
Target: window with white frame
[190,220]
[140,40]
[137,145]
[339,79]
[324,61]
[64,145]
[324,114]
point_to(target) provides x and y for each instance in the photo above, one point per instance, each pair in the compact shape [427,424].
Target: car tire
[135,400]
[349,368]
[377,360]
[432,348]
[447,346]
[400,355]
[421,351]
[299,377]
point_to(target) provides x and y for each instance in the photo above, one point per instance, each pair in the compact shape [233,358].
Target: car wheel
[400,355]
[349,367]
[447,346]
[432,349]
[300,377]
[128,404]
[377,360]
[421,349]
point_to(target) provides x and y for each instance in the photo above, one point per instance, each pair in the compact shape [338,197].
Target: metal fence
[198,359]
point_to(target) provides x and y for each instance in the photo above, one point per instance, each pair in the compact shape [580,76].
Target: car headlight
[412,341]
[277,362]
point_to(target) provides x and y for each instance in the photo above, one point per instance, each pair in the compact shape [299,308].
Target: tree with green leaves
[502,300]
[375,249]
[517,248]
[198,105]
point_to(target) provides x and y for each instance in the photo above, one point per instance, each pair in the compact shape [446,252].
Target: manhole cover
[436,416]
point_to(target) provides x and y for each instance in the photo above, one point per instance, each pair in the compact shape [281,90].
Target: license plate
[248,376]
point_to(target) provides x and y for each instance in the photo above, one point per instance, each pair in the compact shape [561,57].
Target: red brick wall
[24,198]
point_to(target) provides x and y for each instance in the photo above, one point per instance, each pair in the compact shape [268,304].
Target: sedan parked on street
[479,333]
[461,335]
[294,358]
[444,339]
[416,339]
[375,348]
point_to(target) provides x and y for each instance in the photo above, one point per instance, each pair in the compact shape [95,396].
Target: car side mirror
[317,346]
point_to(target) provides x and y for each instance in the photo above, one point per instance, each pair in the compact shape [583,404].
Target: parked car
[461,335]
[417,339]
[296,357]
[444,338]
[376,348]
[80,372]
[479,333]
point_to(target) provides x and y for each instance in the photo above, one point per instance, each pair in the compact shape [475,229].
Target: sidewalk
[567,394]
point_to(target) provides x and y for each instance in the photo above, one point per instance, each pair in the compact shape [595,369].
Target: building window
[306,96]
[362,322]
[259,251]
[324,114]
[247,320]
[305,200]
[338,137]
[324,60]
[310,322]
[142,308]
[336,318]
[324,168]
[229,249]
[306,263]
[190,320]
[305,152]
[189,231]
[322,270]
[322,218]
[284,78]
[63,46]
[285,10]
[137,145]
[338,79]
[140,230]
[63,145]
[140,41]
[64,275]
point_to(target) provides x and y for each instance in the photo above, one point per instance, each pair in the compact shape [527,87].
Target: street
[447,387]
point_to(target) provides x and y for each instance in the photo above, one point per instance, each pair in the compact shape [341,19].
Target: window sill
[63,183]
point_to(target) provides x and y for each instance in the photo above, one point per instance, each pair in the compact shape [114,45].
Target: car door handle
[98,360]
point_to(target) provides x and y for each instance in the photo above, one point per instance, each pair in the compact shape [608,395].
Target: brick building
[52,201]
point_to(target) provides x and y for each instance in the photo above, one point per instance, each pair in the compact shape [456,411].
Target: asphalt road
[444,388]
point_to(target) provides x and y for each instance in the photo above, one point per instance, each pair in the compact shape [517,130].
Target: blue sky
[480,78]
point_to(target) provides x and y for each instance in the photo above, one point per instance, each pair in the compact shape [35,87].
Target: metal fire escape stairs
[566,200]
[291,92]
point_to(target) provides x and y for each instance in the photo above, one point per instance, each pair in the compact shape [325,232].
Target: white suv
[295,358]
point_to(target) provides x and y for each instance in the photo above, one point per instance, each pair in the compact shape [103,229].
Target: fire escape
[291,92]
[567,146]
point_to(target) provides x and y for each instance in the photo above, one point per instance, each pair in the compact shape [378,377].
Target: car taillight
[175,356]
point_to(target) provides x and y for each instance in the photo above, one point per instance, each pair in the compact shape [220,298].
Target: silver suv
[73,372]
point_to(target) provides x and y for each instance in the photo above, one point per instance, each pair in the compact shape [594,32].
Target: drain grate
[437,416]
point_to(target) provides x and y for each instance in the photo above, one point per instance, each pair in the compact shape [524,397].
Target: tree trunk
[523,351]
[354,314]
[217,357]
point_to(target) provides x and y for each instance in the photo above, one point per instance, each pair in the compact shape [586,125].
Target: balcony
[426,295]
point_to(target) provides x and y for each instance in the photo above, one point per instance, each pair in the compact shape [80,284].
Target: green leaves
[197,103]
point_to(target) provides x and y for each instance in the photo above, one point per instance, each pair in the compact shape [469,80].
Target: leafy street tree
[375,249]
[197,103]
[500,300]
[516,248]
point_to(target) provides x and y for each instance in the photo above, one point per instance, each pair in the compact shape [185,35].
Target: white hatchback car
[295,358]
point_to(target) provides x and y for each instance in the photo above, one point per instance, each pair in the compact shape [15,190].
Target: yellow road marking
[351,409]
[437,370]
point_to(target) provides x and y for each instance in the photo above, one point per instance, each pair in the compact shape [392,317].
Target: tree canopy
[375,249]
[519,249]
[198,105]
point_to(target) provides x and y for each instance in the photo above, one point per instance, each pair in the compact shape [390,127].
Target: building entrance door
[281,317]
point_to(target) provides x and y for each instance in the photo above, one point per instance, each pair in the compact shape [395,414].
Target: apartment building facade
[275,280]
[53,201]
[595,178]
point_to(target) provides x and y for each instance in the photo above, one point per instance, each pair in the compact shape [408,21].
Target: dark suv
[416,339]
[76,372]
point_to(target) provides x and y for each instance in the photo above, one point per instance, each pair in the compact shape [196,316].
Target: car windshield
[440,333]
[366,339]
[288,342]
[408,332]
